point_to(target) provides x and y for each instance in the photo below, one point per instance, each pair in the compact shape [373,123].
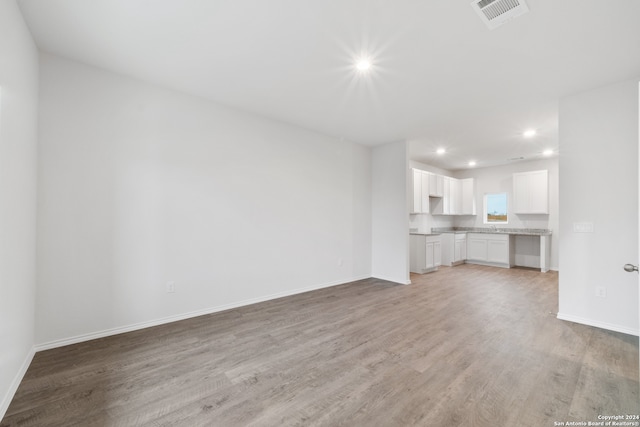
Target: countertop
[487,230]
[424,234]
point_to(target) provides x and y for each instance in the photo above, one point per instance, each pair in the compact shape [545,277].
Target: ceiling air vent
[497,12]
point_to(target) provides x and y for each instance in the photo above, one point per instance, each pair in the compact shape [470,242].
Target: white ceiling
[439,76]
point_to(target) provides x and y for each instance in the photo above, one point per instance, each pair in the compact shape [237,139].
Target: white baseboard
[487,263]
[597,324]
[142,325]
[393,279]
[6,400]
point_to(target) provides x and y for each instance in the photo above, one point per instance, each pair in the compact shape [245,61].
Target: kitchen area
[500,216]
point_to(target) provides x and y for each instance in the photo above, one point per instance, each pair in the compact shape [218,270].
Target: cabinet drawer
[488,236]
[497,237]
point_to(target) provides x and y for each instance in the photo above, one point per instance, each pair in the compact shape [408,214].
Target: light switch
[583,227]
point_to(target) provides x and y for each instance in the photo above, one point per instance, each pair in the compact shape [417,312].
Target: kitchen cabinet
[419,191]
[468,196]
[441,195]
[436,185]
[425,253]
[433,253]
[460,249]
[490,249]
[444,205]
[458,198]
[476,248]
[455,197]
[454,248]
[424,189]
[447,204]
[531,192]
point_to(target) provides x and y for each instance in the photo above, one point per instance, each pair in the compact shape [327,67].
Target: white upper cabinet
[458,197]
[445,208]
[450,196]
[416,191]
[468,196]
[455,197]
[531,192]
[420,192]
[436,185]
[424,192]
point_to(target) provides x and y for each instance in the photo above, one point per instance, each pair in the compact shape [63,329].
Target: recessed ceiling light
[363,64]
[441,151]
[472,163]
[529,133]
[547,152]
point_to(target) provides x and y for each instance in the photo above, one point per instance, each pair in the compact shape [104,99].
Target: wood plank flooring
[464,346]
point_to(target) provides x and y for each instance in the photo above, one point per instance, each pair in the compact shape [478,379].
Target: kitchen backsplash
[425,222]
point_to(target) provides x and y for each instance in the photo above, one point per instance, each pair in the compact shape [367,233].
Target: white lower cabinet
[437,250]
[498,250]
[490,249]
[454,248]
[460,249]
[476,248]
[426,253]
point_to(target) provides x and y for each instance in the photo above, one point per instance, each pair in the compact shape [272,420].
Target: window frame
[485,216]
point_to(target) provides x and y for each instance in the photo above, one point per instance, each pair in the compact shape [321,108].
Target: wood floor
[464,346]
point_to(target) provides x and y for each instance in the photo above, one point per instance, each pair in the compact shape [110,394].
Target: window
[495,208]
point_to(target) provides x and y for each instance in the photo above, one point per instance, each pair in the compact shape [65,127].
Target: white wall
[390,213]
[140,185]
[599,184]
[499,179]
[18,141]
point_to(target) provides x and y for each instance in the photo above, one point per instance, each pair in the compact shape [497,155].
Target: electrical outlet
[171,287]
[601,292]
